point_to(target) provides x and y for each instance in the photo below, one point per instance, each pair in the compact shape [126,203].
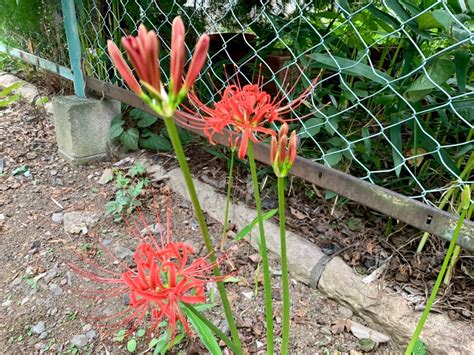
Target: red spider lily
[247,111]
[164,274]
[283,151]
[143,53]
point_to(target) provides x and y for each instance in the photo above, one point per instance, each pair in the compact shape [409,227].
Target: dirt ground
[41,310]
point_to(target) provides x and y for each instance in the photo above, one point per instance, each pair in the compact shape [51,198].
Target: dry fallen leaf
[340,326]
[298,214]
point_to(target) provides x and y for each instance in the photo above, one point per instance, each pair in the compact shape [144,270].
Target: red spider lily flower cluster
[247,111]
[143,53]
[283,151]
[165,274]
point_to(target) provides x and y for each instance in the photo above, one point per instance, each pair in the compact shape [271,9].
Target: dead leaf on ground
[340,326]
[298,214]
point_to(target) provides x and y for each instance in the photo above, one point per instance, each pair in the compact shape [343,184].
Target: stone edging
[385,311]
[27,91]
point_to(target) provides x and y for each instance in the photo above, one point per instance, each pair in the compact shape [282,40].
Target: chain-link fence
[394,105]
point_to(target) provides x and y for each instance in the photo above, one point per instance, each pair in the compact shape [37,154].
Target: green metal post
[74,45]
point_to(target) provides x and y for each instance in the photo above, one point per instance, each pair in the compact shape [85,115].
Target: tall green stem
[227,202]
[434,292]
[263,252]
[178,148]
[212,327]
[284,267]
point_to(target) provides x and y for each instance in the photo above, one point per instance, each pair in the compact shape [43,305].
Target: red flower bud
[177,54]
[292,145]
[199,58]
[123,68]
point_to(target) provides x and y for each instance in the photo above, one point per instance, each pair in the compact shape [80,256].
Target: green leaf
[248,228]
[204,333]
[9,100]
[427,21]
[129,139]
[461,61]
[5,92]
[146,121]
[443,17]
[137,169]
[386,18]
[156,142]
[439,72]
[350,67]
[120,335]
[132,345]
[141,332]
[367,143]
[396,139]
[115,131]
[313,126]
[332,157]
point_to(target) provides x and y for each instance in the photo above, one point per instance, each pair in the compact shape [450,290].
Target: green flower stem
[434,292]
[178,148]
[227,202]
[263,252]
[284,268]
[213,328]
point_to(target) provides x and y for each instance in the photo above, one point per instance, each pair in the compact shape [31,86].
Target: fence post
[74,45]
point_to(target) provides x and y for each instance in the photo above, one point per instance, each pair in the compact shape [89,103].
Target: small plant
[129,188]
[7,95]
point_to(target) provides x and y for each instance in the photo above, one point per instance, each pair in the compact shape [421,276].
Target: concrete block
[82,127]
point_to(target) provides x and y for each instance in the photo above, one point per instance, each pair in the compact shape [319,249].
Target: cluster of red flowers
[247,111]
[165,274]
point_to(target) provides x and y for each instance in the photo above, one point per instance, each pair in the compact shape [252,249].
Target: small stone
[248,295]
[224,326]
[91,334]
[87,327]
[39,327]
[53,311]
[259,344]
[79,340]
[69,278]
[106,242]
[345,312]
[78,221]
[325,331]
[57,217]
[7,303]
[43,335]
[106,177]
[56,290]
[53,172]
[36,244]
[16,282]
[51,273]
[63,282]
[31,155]
[122,252]
[153,229]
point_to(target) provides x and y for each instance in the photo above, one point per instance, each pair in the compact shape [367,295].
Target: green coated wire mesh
[394,104]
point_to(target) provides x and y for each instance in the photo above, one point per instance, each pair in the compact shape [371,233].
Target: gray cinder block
[82,127]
